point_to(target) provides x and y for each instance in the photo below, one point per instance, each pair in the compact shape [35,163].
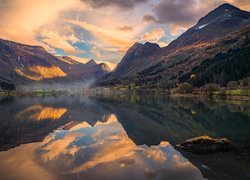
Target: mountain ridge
[198,43]
[22,64]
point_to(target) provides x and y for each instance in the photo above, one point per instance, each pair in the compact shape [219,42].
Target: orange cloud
[109,37]
[55,40]
[154,35]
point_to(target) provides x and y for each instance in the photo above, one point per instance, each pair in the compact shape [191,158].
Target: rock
[206,145]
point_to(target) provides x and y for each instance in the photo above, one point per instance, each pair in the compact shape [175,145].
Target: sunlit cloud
[55,40]
[109,37]
[103,29]
[154,36]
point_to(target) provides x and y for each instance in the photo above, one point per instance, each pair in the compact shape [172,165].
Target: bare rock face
[206,145]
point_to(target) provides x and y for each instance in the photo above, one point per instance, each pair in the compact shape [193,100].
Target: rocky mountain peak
[223,11]
[91,63]
[105,67]
[147,49]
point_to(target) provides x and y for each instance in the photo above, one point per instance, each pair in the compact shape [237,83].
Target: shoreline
[138,91]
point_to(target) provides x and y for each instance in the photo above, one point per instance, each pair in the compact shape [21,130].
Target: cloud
[125,28]
[55,40]
[243,4]
[109,27]
[177,11]
[180,15]
[108,37]
[150,18]
[123,4]
[162,44]
[20,20]
[79,59]
[154,35]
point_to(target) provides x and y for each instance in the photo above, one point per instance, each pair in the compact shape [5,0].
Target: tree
[185,88]
[210,88]
[232,85]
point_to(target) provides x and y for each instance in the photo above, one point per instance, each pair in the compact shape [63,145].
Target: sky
[100,29]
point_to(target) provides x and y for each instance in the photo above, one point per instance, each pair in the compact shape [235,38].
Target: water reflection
[38,113]
[118,137]
[95,152]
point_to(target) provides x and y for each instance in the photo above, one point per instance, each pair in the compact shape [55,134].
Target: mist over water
[65,86]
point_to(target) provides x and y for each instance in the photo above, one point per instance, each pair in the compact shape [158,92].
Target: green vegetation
[211,88]
[184,88]
[238,92]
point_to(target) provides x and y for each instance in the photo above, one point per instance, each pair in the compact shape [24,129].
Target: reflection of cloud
[38,112]
[112,119]
[18,163]
[156,155]
[122,148]
[105,150]
[80,126]
[61,146]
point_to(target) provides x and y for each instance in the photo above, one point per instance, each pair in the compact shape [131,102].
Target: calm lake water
[120,137]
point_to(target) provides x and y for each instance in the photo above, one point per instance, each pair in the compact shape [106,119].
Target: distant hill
[23,64]
[223,30]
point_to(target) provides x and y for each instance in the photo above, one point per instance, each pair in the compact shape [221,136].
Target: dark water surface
[120,137]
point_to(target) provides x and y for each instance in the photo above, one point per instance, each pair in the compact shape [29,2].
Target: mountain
[217,24]
[91,63]
[23,64]
[223,29]
[138,56]
[68,60]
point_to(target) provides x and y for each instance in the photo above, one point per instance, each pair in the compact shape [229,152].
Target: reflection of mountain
[146,120]
[102,151]
[39,113]
[151,120]
[31,119]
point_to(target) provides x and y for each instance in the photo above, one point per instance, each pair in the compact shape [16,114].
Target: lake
[120,137]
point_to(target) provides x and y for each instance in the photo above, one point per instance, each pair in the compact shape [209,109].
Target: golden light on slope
[38,113]
[49,113]
[38,73]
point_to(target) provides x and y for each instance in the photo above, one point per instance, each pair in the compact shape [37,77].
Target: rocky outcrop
[206,145]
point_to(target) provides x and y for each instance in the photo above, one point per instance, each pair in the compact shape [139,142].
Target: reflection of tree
[154,118]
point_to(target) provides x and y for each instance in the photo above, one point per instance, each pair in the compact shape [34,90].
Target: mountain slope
[22,64]
[226,27]
[138,56]
[217,24]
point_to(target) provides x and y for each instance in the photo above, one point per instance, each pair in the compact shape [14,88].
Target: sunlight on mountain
[38,73]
